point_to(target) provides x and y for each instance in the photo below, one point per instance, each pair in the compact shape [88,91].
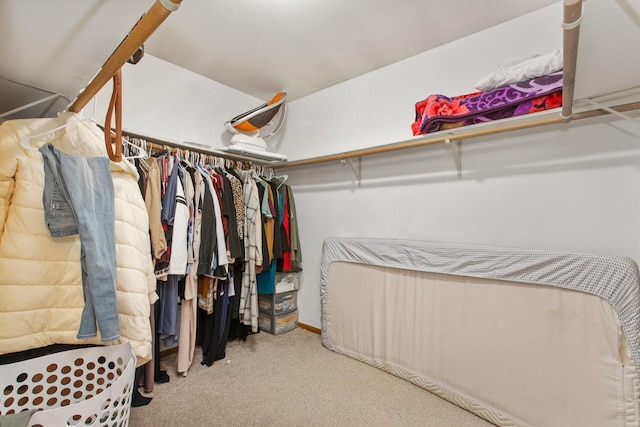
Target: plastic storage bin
[83,387]
[287,281]
[276,325]
[277,304]
[270,282]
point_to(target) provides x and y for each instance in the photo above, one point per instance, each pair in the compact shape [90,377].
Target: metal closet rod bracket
[357,172]
[456,151]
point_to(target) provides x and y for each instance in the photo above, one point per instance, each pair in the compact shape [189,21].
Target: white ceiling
[303,46]
[58,46]
[254,46]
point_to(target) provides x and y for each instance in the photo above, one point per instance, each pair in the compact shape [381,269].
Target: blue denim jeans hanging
[78,198]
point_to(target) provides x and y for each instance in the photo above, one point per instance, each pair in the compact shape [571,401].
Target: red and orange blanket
[438,112]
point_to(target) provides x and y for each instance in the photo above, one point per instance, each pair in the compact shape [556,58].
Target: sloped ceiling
[257,47]
[60,45]
[303,46]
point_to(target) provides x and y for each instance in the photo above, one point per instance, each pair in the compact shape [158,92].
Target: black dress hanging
[216,326]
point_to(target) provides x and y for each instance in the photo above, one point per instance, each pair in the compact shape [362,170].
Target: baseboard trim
[310,328]
[168,351]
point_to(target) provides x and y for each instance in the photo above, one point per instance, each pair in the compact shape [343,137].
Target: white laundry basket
[82,387]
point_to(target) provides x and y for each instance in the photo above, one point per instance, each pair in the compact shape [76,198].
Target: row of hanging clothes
[216,227]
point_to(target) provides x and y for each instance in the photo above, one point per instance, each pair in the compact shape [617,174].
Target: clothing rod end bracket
[356,171]
[456,151]
[612,111]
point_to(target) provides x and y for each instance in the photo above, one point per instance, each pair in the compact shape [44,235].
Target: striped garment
[252,250]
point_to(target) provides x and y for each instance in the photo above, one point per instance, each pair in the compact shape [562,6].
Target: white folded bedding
[521,70]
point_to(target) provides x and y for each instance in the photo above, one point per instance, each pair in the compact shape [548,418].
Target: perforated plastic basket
[83,387]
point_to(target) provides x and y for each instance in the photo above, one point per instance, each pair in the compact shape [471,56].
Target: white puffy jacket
[40,276]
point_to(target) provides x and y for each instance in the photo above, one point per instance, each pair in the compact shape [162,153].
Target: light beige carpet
[292,380]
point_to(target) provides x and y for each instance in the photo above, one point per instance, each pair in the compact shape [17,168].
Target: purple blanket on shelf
[439,112]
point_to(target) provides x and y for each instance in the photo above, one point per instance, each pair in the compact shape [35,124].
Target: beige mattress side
[514,354]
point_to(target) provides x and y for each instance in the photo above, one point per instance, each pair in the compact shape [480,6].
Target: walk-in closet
[400,213]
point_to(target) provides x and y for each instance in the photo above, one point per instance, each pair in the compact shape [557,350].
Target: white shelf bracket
[612,111]
[456,151]
[356,171]
[32,104]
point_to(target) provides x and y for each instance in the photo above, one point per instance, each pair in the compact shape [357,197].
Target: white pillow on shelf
[524,69]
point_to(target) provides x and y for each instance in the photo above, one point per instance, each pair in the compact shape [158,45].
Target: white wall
[378,107]
[167,102]
[567,187]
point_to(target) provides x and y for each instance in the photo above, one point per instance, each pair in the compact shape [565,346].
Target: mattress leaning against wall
[516,336]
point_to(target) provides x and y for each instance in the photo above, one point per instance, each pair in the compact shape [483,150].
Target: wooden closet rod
[151,20]
[443,136]
[571,34]
[160,144]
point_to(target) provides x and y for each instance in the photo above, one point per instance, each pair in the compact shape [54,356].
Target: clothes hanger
[160,152]
[141,152]
[32,104]
[283,178]
[24,141]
